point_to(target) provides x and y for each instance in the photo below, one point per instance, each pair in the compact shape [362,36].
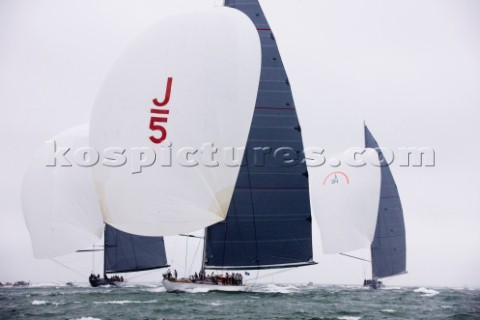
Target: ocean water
[279,301]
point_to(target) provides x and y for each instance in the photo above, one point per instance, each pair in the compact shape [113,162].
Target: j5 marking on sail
[155,121]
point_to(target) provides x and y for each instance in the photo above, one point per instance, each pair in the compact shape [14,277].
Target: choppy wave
[47,285]
[273,288]
[125,302]
[391,288]
[427,292]
[197,290]
[59,285]
[44,302]
[272,301]
[157,289]
[141,285]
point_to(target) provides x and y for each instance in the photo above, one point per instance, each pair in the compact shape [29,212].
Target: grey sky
[410,69]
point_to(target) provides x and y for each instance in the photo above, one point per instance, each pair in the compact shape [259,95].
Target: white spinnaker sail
[203,68]
[345,202]
[59,203]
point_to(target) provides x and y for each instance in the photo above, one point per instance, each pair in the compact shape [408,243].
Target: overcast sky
[410,69]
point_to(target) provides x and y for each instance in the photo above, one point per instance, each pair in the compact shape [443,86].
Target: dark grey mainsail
[388,248]
[268,224]
[125,252]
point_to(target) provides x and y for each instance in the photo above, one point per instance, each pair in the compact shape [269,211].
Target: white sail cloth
[59,203]
[345,201]
[203,69]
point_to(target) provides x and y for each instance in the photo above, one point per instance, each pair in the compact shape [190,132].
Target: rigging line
[193,260]
[225,230]
[268,275]
[348,270]
[174,249]
[173,256]
[186,257]
[143,274]
[133,249]
[253,208]
[190,236]
[347,255]
[364,269]
[67,267]
[204,251]
[105,244]
[93,260]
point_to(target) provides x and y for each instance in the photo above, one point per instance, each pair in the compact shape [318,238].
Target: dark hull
[375,284]
[104,282]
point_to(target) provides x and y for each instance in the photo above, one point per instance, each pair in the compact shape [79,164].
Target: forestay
[59,203]
[189,80]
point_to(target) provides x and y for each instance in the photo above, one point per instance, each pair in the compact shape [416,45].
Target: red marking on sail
[337,172]
[271,188]
[160,111]
[167,94]
[156,122]
[275,108]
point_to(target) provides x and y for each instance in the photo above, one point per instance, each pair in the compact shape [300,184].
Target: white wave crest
[47,285]
[86,318]
[391,288]
[349,318]
[43,302]
[157,289]
[427,292]
[197,290]
[273,288]
[141,285]
[125,302]
[389,310]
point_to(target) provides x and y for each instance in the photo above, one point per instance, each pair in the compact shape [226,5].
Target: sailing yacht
[358,207]
[194,78]
[124,252]
[62,213]
[200,58]
[268,224]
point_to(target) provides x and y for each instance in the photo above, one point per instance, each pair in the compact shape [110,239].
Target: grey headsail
[126,252]
[388,248]
[268,224]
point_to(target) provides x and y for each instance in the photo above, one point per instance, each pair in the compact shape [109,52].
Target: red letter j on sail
[156,121]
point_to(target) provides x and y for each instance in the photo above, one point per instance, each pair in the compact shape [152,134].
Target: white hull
[174,286]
